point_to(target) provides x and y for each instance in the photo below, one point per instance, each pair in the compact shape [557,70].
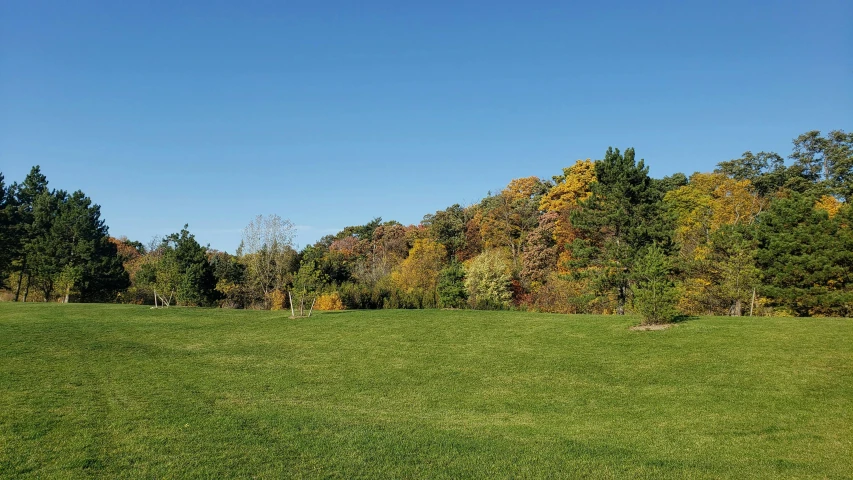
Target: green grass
[130,392]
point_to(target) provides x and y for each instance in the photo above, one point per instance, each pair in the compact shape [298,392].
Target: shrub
[277,298]
[488,281]
[329,301]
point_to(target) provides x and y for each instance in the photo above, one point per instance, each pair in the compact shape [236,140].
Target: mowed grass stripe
[130,392]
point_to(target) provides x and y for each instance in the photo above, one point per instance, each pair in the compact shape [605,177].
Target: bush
[329,301]
[563,295]
[277,298]
[488,281]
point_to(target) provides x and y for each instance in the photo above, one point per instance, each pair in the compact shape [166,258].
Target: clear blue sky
[332,113]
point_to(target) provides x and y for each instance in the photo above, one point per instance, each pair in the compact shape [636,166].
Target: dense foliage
[756,236]
[55,245]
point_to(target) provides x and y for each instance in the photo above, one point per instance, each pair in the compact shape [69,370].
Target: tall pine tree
[619,219]
[805,256]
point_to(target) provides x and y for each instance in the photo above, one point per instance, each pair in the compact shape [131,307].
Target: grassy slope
[122,391]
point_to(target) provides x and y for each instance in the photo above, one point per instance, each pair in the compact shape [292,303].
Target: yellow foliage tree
[709,202]
[277,299]
[522,188]
[829,204]
[419,271]
[507,218]
[572,188]
[721,264]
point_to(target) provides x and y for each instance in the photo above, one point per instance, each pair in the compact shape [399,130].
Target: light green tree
[488,280]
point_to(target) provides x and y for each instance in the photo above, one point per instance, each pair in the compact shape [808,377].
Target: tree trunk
[292,312]
[18,290]
[27,290]
[47,291]
[738,308]
[312,307]
[752,305]
[620,305]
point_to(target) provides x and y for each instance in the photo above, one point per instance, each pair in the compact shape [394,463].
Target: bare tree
[267,251]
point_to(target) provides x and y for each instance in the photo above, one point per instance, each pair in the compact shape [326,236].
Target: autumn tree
[572,187]
[389,246]
[488,279]
[417,275]
[473,236]
[714,219]
[379,255]
[539,257]
[507,218]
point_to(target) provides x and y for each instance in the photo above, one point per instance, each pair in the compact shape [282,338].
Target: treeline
[53,244]
[755,236]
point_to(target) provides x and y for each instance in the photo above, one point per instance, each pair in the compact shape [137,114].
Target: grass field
[131,392]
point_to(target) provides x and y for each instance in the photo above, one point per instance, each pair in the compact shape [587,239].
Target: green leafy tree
[230,277]
[451,286]
[826,162]
[158,275]
[765,170]
[488,280]
[732,261]
[447,227]
[361,232]
[671,182]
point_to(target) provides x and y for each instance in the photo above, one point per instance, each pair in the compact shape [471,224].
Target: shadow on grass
[648,327]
